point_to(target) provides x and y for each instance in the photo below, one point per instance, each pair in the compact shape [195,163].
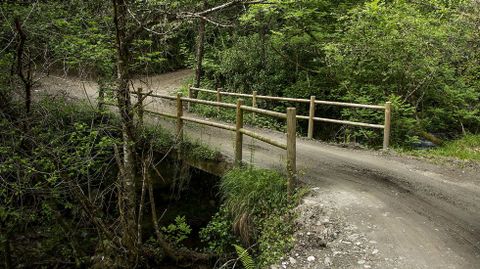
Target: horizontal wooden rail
[353,123]
[236,94]
[210,123]
[311,117]
[161,114]
[286,99]
[163,96]
[263,138]
[319,102]
[265,112]
[211,103]
[202,90]
[301,117]
[289,99]
[290,116]
[204,122]
[344,122]
[222,93]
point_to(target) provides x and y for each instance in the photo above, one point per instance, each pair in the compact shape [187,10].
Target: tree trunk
[101,95]
[26,79]
[127,196]
[200,54]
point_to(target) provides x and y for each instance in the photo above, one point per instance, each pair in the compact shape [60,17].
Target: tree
[128,26]
[408,50]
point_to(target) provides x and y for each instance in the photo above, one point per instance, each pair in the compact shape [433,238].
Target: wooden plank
[163,96]
[209,123]
[348,104]
[265,112]
[202,90]
[386,130]
[301,117]
[211,103]
[161,114]
[345,122]
[236,94]
[263,138]
[223,93]
[286,99]
[291,149]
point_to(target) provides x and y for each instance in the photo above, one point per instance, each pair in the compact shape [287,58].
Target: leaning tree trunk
[127,196]
[200,53]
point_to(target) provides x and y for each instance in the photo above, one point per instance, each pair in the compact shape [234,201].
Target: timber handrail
[211,103]
[311,117]
[265,112]
[263,138]
[290,116]
[210,123]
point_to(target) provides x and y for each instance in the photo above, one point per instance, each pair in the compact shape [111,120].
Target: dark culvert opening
[192,193]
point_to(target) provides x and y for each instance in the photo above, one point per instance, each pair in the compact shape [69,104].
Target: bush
[404,51]
[62,148]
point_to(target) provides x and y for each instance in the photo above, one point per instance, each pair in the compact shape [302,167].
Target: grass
[253,191]
[466,148]
[256,213]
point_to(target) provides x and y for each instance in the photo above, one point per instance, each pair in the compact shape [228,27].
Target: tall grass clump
[252,193]
[255,213]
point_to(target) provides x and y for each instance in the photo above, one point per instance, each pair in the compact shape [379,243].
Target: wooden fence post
[219,97]
[254,102]
[291,149]
[190,95]
[239,135]
[179,118]
[311,115]
[140,106]
[386,130]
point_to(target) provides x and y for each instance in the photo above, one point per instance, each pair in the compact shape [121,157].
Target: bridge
[240,130]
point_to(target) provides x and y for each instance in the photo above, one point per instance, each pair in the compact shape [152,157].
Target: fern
[244,257]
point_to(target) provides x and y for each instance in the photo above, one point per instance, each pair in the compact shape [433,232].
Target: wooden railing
[386,126]
[239,128]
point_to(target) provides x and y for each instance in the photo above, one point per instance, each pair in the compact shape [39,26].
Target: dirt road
[375,210]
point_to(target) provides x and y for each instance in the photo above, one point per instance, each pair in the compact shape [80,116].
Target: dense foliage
[422,56]
[58,185]
[74,181]
[46,168]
